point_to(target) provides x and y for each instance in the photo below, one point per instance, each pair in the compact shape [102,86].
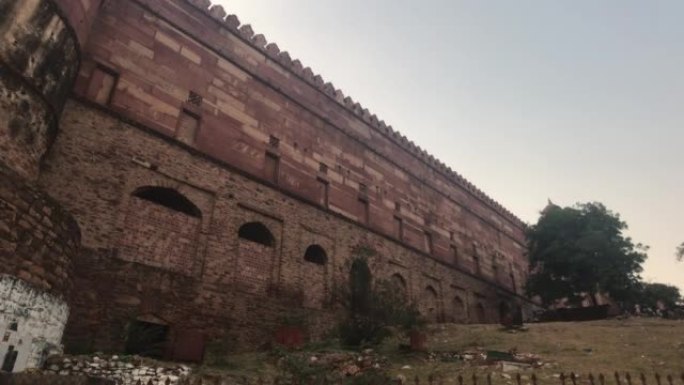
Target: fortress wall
[146,57]
[232,289]
[201,165]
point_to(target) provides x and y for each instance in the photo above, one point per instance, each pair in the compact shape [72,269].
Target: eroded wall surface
[39,60]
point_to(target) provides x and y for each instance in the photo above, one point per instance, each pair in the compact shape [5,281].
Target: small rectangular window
[398,228]
[495,272]
[454,255]
[10,360]
[323,168]
[513,285]
[273,141]
[271,167]
[323,192]
[428,242]
[365,215]
[188,124]
[102,85]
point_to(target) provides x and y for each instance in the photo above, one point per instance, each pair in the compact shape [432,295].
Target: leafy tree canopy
[651,293]
[680,252]
[581,250]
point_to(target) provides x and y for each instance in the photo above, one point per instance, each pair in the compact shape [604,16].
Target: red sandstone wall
[160,51]
[233,287]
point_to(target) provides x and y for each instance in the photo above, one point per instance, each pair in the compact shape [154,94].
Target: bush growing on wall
[373,309]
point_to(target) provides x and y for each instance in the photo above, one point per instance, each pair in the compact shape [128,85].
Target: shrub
[373,309]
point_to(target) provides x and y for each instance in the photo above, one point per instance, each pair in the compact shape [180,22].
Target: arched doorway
[360,283]
[256,248]
[458,310]
[314,274]
[399,283]
[429,304]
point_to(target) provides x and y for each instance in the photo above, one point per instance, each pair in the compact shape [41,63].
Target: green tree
[680,252]
[651,293]
[581,250]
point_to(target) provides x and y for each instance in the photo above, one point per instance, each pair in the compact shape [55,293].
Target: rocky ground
[540,352]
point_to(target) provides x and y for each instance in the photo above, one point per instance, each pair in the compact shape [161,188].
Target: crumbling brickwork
[218,185]
[38,238]
[39,60]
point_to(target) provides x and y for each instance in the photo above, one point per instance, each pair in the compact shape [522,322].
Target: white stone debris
[123,371]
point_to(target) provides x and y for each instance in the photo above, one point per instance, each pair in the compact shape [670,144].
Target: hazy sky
[575,100]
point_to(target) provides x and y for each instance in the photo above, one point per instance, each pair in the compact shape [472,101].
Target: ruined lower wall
[38,240]
[39,59]
[233,290]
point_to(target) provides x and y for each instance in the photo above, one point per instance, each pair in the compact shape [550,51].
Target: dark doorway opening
[147,339]
[505,314]
[480,314]
[10,360]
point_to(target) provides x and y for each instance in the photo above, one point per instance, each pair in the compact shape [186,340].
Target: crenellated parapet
[273,52]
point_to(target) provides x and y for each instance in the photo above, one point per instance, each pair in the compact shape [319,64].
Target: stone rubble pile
[348,364]
[122,370]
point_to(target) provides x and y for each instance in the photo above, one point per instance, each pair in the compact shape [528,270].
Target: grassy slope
[635,345]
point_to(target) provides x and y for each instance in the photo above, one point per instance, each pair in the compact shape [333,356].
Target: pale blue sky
[573,100]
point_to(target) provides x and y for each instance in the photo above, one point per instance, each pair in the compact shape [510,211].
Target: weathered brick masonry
[218,184]
[40,45]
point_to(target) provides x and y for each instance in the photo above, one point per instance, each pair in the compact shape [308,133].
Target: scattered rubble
[507,361]
[122,370]
[349,363]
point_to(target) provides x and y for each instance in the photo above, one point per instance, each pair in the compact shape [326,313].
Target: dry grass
[634,345]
